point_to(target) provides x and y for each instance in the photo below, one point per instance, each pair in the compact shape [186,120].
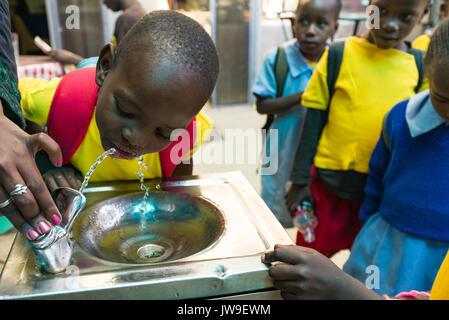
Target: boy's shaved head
[173,37]
[338,5]
[157,80]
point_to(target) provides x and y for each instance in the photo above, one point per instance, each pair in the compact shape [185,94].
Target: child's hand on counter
[65,176]
[303,273]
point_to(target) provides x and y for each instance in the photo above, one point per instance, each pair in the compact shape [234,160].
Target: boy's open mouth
[122,154]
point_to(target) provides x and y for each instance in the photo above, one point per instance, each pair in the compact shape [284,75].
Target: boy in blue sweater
[405,235]
[406,208]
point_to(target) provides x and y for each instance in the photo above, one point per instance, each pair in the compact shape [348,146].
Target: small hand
[64,177]
[65,56]
[303,273]
[297,194]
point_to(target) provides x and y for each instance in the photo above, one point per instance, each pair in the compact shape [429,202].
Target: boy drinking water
[155,82]
[344,119]
[279,93]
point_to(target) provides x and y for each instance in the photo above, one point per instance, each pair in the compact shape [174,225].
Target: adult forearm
[277,105]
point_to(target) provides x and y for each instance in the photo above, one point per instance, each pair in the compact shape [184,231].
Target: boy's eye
[159,132]
[121,112]
[304,22]
[322,23]
[407,17]
[440,99]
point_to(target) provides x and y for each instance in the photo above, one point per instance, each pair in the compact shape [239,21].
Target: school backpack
[73,107]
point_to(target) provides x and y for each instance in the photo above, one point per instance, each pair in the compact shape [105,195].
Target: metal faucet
[54,250]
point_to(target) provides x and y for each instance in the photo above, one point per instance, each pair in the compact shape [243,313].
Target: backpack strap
[419,59]
[334,61]
[75,99]
[280,71]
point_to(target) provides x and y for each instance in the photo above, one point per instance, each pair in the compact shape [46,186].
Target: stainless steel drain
[150,251]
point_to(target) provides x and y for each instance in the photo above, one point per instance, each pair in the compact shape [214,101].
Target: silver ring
[5,203]
[19,189]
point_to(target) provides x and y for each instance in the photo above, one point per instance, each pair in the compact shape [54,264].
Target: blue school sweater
[408,181]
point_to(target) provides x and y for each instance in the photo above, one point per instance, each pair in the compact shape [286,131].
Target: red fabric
[171,156]
[338,220]
[72,109]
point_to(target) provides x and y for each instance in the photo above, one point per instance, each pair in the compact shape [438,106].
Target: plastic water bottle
[306,221]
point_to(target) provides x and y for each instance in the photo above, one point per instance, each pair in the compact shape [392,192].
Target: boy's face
[140,103]
[397,20]
[315,22]
[439,88]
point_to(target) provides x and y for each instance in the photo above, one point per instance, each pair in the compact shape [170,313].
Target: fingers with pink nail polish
[44,227]
[32,234]
[55,219]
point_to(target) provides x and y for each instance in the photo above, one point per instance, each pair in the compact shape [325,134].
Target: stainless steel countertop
[231,266]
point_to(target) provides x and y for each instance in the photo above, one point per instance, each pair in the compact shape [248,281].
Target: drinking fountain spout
[54,250]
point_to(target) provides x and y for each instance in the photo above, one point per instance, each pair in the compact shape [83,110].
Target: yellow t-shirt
[37,95]
[440,288]
[311,63]
[422,42]
[370,82]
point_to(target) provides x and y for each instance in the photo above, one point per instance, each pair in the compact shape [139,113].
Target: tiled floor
[227,122]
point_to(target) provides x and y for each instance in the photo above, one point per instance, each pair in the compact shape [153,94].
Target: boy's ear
[104,63]
[337,24]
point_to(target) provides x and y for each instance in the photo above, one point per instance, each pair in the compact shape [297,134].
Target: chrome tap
[54,250]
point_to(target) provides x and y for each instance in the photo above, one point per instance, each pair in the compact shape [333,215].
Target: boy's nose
[131,136]
[391,25]
[311,30]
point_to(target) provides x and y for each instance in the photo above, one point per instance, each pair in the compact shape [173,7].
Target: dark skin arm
[276,105]
[303,273]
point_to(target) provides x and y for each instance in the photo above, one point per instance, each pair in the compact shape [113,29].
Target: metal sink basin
[168,226]
[199,237]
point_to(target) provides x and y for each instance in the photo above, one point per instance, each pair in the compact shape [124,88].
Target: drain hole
[150,251]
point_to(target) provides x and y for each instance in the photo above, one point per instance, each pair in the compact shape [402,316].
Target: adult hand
[297,194]
[31,212]
[303,273]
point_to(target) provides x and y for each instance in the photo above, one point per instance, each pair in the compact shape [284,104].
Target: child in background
[406,229]
[422,42]
[344,120]
[155,82]
[406,233]
[279,93]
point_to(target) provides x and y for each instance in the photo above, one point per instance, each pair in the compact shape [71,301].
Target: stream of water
[103,156]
